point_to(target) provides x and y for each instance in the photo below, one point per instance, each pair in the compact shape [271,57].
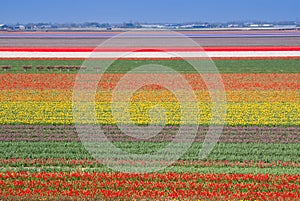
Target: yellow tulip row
[241,113]
[152,96]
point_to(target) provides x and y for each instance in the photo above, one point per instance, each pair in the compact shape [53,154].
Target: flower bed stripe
[158,95]
[267,152]
[151,186]
[152,59]
[157,53]
[150,49]
[149,55]
[241,113]
[90,163]
[279,82]
[230,134]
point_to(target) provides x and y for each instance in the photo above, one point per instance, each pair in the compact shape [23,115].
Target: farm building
[4,27]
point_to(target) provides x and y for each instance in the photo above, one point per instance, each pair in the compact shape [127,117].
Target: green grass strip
[123,66]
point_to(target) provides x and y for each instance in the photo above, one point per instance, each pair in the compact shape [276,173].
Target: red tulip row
[151,185]
[110,81]
[150,49]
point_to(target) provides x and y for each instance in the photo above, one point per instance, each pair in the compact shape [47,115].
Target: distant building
[286,27]
[19,27]
[261,26]
[233,25]
[254,25]
[152,26]
[4,27]
[267,25]
[199,26]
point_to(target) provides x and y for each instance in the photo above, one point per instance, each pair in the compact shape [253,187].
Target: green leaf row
[222,151]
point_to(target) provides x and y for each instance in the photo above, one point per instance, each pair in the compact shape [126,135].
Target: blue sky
[115,11]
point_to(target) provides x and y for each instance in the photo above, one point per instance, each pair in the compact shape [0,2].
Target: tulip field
[257,156]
